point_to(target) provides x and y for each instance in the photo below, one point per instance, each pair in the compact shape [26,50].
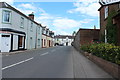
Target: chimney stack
[31,16]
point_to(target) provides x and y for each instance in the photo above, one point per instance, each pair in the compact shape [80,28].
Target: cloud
[66,26]
[88,7]
[65,23]
[27,8]
[60,25]
[44,18]
[61,32]
[8,1]
[86,20]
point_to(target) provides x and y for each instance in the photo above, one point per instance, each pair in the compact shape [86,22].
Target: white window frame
[4,16]
[22,22]
[106,12]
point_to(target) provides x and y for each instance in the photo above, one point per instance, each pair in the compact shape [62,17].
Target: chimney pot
[31,16]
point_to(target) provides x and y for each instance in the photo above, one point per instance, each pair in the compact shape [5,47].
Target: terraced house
[110,21]
[18,31]
[47,37]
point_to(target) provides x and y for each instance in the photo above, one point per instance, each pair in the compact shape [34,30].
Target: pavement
[56,62]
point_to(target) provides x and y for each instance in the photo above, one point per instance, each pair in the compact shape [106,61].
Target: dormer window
[6,16]
[106,12]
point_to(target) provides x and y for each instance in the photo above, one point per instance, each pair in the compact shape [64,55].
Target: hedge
[109,52]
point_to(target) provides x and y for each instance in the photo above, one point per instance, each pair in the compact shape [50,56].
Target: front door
[5,43]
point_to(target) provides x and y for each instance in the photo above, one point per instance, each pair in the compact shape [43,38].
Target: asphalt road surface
[55,62]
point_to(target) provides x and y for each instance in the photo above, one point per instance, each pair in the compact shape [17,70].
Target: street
[55,62]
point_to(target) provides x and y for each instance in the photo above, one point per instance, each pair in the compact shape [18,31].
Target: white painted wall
[0,17]
[39,36]
[5,43]
[63,41]
[31,34]
[15,42]
[16,25]
[0,42]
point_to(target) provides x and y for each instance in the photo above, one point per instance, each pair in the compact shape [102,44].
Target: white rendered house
[18,31]
[64,40]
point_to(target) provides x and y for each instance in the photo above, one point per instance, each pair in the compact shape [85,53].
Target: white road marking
[17,63]
[44,53]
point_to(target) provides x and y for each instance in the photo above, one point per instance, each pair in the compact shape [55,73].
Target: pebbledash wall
[18,31]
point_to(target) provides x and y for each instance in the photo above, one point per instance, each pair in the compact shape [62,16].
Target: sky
[62,17]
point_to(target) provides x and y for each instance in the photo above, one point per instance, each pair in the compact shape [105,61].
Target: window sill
[6,22]
[105,18]
[22,27]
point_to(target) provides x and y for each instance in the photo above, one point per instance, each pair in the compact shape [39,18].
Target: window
[44,42]
[22,22]
[31,28]
[44,31]
[21,41]
[6,16]
[106,11]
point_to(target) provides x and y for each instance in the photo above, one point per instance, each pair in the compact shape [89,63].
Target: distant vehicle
[61,44]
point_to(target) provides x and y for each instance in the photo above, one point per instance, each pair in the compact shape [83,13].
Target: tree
[74,33]
[111,29]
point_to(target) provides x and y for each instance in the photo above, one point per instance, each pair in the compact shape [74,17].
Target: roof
[64,36]
[90,29]
[5,5]
[108,5]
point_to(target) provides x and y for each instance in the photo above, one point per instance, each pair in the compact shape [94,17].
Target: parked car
[61,44]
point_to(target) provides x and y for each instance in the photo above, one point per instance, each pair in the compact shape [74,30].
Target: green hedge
[108,52]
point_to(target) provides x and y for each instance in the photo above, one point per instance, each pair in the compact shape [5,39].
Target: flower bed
[108,52]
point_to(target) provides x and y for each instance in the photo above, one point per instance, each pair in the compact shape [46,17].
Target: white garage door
[5,43]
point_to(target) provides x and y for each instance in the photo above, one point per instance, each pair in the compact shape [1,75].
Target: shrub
[109,52]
